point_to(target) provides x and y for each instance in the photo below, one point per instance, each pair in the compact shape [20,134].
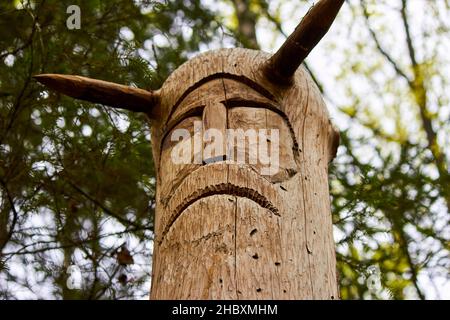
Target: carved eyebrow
[229,103]
[241,102]
[244,102]
[193,112]
[221,75]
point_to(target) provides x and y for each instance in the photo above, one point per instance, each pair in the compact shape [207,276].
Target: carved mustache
[279,69]
[219,179]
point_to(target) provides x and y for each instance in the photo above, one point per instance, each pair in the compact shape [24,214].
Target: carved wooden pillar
[223,230]
[227,229]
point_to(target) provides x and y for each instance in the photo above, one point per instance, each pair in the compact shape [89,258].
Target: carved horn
[99,91]
[282,65]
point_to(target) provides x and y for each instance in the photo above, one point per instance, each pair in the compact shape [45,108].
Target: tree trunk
[228,230]
[246,24]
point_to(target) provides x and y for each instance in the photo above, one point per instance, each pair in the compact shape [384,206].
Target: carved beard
[203,207]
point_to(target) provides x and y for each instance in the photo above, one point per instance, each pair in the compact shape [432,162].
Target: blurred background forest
[77,179]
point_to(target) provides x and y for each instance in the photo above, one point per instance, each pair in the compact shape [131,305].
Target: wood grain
[104,92]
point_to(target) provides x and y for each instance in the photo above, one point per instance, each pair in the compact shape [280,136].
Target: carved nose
[214,135]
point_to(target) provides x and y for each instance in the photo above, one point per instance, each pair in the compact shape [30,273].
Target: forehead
[228,91]
[198,75]
[239,70]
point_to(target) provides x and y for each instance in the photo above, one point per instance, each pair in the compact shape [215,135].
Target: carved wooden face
[216,215]
[225,90]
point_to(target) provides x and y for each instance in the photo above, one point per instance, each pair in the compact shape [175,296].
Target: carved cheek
[284,162]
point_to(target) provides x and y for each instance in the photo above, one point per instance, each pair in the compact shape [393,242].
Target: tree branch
[379,47]
[420,93]
[124,221]
[279,28]
[15,216]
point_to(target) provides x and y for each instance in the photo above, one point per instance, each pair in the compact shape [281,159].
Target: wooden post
[229,229]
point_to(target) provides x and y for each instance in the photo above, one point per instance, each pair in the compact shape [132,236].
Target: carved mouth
[219,179]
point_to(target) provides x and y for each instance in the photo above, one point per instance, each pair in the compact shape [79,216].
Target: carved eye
[256,118]
[172,165]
